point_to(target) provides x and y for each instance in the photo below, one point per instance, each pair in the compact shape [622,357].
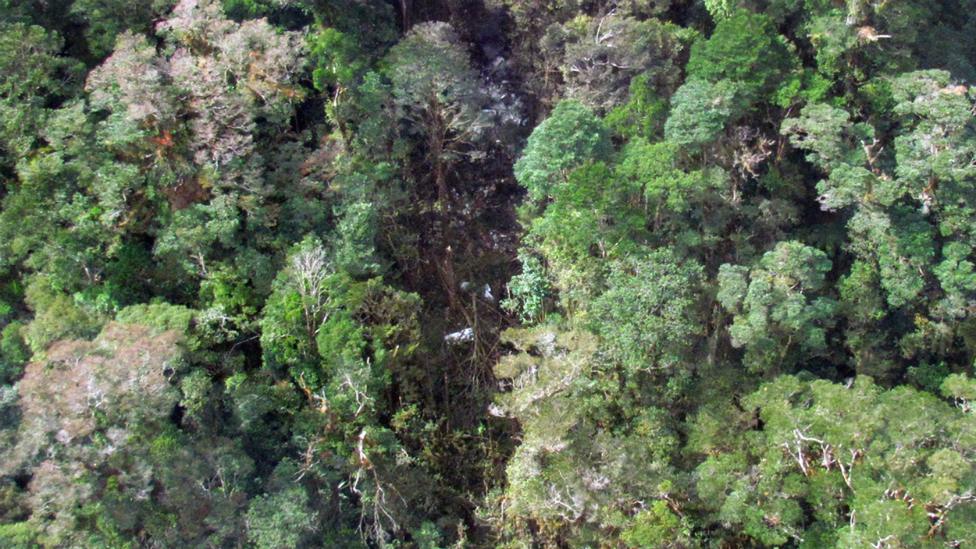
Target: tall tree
[439,98]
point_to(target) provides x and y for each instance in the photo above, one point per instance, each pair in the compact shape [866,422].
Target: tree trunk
[450,281]
[405,15]
[437,138]
[443,193]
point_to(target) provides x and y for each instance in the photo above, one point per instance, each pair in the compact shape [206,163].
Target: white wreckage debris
[485,291]
[461,336]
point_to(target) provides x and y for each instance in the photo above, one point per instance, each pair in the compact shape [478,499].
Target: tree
[600,56]
[56,316]
[528,290]
[841,465]
[280,520]
[36,77]
[439,97]
[781,314]
[104,20]
[571,136]
[700,110]
[642,115]
[533,20]
[356,232]
[743,63]
[745,50]
[649,317]
[227,75]
[96,442]
[831,140]
[14,352]
[296,309]
[579,468]
[592,218]
[265,64]
[899,201]
[902,244]
[862,303]
[931,151]
[342,344]
[657,526]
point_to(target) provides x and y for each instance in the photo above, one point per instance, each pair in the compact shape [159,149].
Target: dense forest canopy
[488,273]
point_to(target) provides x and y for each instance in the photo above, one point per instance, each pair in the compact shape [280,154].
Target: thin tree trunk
[405,15]
[443,193]
[436,143]
[450,281]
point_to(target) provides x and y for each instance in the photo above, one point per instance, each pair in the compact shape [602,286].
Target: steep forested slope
[487,273]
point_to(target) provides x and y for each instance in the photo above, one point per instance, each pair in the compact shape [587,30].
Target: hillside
[488,273]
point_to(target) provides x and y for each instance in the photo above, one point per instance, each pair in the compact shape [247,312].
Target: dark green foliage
[600,57]
[835,450]
[14,352]
[642,115]
[35,78]
[648,317]
[700,110]
[280,520]
[746,50]
[528,290]
[106,19]
[780,318]
[570,136]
